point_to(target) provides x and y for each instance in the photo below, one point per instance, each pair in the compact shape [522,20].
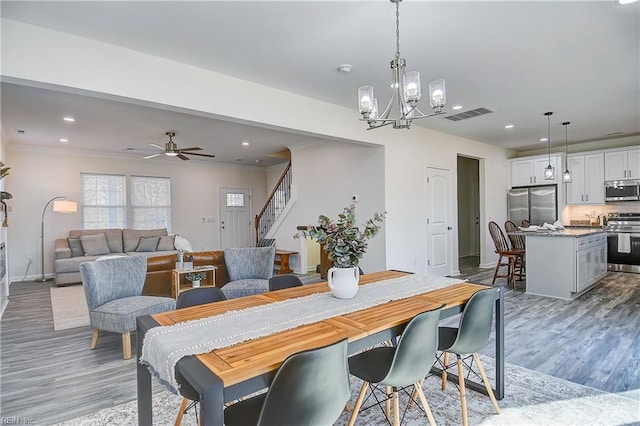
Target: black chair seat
[372,366]
[245,413]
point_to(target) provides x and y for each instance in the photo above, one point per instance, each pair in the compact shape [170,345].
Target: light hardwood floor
[49,376]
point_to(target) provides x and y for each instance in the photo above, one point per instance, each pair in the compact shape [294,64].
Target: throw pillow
[182,243]
[166,243]
[94,245]
[148,244]
[76,247]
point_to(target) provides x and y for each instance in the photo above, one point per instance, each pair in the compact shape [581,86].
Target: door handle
[449,228]
[625,173]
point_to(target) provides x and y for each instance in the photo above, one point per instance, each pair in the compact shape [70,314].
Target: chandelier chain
[397,29]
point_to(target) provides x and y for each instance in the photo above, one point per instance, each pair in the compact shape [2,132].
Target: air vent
[469,114]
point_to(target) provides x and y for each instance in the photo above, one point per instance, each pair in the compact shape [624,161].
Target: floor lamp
[60,205]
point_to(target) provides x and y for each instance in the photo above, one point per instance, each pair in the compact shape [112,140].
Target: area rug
[531,398]
[69,307]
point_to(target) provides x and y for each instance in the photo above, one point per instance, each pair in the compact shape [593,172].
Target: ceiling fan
[171,149]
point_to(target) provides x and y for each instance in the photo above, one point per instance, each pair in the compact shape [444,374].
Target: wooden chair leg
[358,405]
[94,339]
[126,345]
[396,408]
[463,394]
[487,385]
[425,405]
[444,371]
[387,403]
[495,272]
[183,407]
[414,395]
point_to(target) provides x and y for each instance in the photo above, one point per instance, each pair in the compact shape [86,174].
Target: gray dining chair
[471,335]
[187,299]
[397,367]
[310,388]
[199,296]
[279,282]
[113,289]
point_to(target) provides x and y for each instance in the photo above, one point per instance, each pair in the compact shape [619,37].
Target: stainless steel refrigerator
[537,204]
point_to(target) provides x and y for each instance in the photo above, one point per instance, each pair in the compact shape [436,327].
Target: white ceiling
[580,60]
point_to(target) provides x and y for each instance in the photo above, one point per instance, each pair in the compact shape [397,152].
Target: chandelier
[549,171]
[566,176]
[405,94]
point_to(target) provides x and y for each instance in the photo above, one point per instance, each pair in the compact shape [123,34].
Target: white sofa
[85,245]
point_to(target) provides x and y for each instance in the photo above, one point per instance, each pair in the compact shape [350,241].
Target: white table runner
[164,346]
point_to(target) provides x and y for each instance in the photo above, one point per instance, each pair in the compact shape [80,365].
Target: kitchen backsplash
[577,214]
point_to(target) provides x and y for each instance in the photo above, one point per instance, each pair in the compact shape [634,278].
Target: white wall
[37,176]
[326,176]
[50,57]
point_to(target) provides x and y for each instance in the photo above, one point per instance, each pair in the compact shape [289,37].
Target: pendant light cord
[397,29]
[549,137]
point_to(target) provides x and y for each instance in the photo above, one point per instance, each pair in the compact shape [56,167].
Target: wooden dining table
[227,374]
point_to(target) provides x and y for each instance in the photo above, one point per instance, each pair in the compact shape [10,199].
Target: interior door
[439,221]
[235,217]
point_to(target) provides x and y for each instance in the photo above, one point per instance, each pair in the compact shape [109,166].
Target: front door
[235,217]
[439,228]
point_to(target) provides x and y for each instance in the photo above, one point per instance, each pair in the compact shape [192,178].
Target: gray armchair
[249,270]
[113,288]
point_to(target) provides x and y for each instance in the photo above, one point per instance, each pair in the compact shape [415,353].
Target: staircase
[275,205]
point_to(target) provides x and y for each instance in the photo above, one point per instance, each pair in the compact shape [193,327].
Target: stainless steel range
[623,242]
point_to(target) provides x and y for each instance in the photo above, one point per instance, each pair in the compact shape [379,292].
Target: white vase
[195,283]
[343,282]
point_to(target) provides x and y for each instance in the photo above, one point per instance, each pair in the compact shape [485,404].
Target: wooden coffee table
[282,260]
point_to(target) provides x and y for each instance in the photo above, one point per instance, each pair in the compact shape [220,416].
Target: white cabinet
[591,261]
[587,179]
[619,165]
[526,172]
[565,266]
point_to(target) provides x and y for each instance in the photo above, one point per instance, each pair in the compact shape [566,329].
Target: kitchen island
[565,264]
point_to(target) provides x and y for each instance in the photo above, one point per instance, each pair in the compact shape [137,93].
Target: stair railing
[275,204]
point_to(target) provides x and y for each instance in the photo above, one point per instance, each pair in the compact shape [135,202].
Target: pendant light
[566,176]
[549,172]
[405,94]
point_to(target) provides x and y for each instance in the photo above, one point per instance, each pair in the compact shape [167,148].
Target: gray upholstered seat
[113,288]
[310,388]
[249,270]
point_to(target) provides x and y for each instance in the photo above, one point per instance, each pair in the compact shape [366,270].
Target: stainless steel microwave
[622,190]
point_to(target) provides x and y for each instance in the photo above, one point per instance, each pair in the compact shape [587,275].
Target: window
[235,200]
[103,201]
[151,202]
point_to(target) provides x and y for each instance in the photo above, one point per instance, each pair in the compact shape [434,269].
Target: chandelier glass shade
[402,108]
[549,171]
[566,175]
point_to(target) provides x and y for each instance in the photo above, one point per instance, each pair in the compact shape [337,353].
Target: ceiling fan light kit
[405,94]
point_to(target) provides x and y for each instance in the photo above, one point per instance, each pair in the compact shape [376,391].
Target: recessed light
[245,143]
[456,107]
[63,140]
[543,139]
[70,119]
[623,2]
[509,126]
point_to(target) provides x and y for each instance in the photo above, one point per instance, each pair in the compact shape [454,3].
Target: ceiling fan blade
[201,155]
[193,148]
[138,149]
[157,146]
[152,155]
[182,157]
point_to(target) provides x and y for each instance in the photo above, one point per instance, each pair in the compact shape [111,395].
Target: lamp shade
[65,206]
